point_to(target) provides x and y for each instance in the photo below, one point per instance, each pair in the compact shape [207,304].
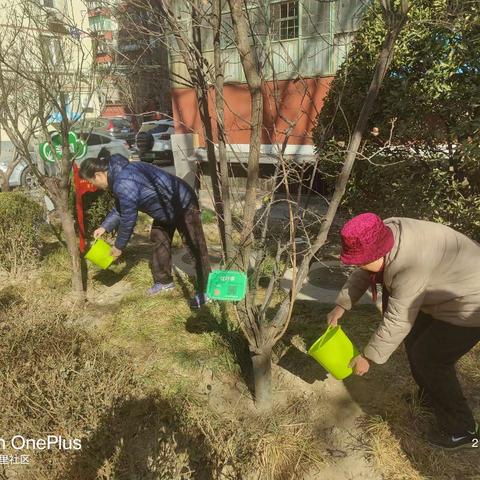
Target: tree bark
[247,311]
[5,186]
[222,150]
[68,227]
[5,176]
[251,68]
[262,377]
[192,56]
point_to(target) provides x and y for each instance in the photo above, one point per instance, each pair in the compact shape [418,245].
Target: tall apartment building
[139,80]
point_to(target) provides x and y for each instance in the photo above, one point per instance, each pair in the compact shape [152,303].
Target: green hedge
[414,188]
[425,110]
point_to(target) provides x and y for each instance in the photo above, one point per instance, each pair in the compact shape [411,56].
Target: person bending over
[171,202]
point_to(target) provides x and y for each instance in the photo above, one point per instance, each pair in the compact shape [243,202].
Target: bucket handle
[324,336]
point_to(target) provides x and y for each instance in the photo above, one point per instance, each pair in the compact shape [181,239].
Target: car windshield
[120,123]
[93,138]
[160,128]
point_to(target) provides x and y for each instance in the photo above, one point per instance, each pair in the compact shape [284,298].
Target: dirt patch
[108,295]
[328,411]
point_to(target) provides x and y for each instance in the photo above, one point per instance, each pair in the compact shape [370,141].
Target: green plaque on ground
[227,285]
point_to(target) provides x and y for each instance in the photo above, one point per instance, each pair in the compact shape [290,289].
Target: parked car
[116,127]
[96,140]
[23,176]
[154,141]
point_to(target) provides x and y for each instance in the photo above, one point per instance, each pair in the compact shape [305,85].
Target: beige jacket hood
[431,268]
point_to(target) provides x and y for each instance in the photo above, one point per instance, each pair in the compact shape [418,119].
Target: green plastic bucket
[227,285]
[99,254]
[334,351]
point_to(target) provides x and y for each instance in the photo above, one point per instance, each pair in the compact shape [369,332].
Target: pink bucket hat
[365,238]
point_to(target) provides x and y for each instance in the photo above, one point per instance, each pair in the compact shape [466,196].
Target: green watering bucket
[227,285]
[99,254]
[334,352]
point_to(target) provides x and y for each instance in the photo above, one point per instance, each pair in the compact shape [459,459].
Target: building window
[49,3]
[97,4]
[284,17]
[316,18]
[51,49]
[100,23]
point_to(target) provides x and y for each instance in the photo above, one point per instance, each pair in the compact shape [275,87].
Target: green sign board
[227,285]
[78,148]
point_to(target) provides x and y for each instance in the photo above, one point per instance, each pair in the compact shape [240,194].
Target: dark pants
[433,348]
[189,225]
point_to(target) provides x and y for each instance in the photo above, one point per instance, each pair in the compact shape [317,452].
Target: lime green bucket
[334,351]
[99,254]
[228,285]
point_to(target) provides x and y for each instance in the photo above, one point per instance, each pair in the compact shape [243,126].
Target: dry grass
[289,448]
[278,445]
[55,270]
[175,350]
[59,379]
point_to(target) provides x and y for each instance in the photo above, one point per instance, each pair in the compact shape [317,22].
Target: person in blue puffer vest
[171,202]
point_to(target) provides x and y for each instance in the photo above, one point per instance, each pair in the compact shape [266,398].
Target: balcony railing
[129,47]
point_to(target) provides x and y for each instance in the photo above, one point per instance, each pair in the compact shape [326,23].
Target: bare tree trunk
[192,56]
[5,186]
[262,377]
[222,151]
[202,94]
[68,227]
[5,176]
[66,217]
[260,351]
[251,68]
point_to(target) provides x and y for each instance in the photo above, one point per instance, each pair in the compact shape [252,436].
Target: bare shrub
[58,379]
[20,222]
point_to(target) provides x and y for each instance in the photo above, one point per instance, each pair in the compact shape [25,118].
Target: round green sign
[77,147]
[80,150]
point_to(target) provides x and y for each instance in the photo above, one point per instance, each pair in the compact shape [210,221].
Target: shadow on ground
[141,439]
[204,320]
[137,252]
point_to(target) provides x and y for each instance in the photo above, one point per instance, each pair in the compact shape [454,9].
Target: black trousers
[189,225]
[433,348]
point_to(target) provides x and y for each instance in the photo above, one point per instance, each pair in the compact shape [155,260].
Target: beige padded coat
[431,268]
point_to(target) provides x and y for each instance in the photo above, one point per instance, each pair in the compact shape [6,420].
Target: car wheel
[29,180]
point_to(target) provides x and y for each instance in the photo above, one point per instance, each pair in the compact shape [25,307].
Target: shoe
[160,287]
[453,442]
[199,299]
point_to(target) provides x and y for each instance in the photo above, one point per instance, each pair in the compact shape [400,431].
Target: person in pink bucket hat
[430,277]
